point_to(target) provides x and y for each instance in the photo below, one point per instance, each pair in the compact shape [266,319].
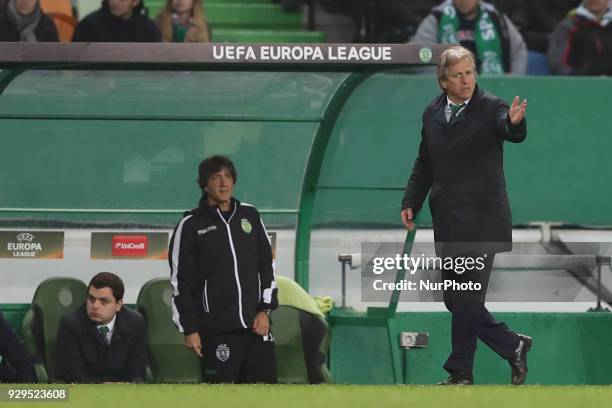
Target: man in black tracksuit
[223,280]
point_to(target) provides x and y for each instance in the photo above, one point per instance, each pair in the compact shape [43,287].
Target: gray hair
[451,56]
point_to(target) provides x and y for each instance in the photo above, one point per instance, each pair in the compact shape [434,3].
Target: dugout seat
[302,336]
[300,330]
[54,298]
[169,360]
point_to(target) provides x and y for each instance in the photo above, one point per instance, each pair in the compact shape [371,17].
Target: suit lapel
[440,115]
[91,330]
[121,326]
[439,108]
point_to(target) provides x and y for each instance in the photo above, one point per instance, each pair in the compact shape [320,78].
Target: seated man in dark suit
[16,364]
[103,341]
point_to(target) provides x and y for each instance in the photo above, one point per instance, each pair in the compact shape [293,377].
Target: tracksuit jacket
[222,271]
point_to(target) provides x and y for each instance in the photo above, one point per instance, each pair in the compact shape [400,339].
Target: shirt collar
[110,325]
[449,103]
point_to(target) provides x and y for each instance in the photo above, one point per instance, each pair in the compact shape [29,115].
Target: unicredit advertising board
[122,245]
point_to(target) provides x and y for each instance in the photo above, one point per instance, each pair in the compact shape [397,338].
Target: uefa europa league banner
[26,244]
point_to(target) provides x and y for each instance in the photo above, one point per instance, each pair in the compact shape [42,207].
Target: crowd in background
[566,37]
[114,21]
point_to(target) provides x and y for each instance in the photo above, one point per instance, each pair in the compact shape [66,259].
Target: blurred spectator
[380,20]
[23,20]
[479,27]
[516,10]
[582,43]
[536,19]
[183,21]
[117,21]
[16,364]
[544,15]
[398,20]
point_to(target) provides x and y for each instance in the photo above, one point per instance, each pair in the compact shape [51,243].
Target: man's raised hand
[517,111]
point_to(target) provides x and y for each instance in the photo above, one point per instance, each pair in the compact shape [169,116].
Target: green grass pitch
[297,396]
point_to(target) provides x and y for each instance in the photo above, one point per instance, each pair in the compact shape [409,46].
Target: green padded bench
[54,298]
[301,333]
[169,360]
[302,336]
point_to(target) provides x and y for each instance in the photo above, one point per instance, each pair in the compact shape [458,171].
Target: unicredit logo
[130,245]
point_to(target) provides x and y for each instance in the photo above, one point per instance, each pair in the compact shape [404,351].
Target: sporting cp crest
[223,352]
[246,225]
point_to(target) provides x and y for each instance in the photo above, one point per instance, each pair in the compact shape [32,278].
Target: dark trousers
[240,357]
[472,321]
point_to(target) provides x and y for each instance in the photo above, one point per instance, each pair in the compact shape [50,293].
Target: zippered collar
[213,210]
[220,213]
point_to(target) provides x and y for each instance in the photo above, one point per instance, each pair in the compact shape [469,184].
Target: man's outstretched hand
[517,111]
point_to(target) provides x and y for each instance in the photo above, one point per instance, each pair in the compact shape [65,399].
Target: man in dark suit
[103,341]
[461,161]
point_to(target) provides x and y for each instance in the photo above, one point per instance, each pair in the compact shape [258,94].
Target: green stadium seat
[236,15]
[224,35]
[169,360]
[302,336]
[251,15]
[54,298]
[301,333]
[154,7]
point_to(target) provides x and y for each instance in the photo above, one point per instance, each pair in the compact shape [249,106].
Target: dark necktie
[104,332]
[455,110]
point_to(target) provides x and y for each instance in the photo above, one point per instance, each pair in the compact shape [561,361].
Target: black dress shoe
[458,378]
[518,361]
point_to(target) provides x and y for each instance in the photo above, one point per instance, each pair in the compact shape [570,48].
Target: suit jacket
[462,164]
[84,357]
[16,364]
